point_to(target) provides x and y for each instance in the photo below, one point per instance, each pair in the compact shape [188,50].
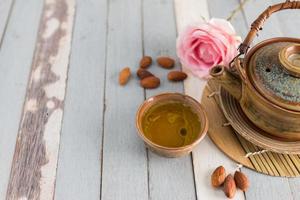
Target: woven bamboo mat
[236,147]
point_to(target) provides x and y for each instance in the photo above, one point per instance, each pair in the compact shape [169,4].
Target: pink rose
[202,46]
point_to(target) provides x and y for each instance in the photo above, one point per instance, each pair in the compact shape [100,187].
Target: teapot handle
[259,22]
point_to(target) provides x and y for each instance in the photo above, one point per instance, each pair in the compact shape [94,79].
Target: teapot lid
[273,68]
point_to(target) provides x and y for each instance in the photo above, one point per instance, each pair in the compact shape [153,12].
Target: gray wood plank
[168,178]
[5,11]
[79,166]
[124,172]
[15,61]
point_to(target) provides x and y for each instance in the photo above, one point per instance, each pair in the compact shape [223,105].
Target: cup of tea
[171,124]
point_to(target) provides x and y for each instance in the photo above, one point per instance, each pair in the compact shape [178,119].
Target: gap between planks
[5,13]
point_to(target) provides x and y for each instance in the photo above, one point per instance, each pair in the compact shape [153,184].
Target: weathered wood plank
[15,61]
[206,157]
[34,164]
[160,39]
[5,11]
[124,171]
[79,165]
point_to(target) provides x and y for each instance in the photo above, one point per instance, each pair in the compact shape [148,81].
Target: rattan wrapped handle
[259,22]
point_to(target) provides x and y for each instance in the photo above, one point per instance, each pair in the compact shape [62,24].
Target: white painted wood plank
[5,11]
[169,179]
[124,172]
[33,171]
[190,12]
[15,60]
[79,166]
[206,157]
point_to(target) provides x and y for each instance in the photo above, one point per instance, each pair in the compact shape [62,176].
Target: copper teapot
[266,81]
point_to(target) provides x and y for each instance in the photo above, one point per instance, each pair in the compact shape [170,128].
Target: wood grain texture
[5,13]
[159,36]
[206,157]
[34,164]
[15,61]
[124,171]
[79,165]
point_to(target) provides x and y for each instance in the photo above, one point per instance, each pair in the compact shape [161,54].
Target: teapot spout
[231,82]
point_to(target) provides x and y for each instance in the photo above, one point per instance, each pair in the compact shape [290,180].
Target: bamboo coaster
[236,147]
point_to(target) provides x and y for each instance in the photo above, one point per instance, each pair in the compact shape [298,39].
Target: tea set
[263,82]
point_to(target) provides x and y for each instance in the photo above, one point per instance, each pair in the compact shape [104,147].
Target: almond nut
[142,73]
[165,62]
[177,76]
[145,62]
[124,75]
[229,186]
[150,82]
[241,180]
[218,176]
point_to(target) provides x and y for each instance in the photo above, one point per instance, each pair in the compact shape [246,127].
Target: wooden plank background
[124,162]
[81,137]
[95,145]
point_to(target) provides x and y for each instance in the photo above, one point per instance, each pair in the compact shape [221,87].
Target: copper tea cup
[165,98]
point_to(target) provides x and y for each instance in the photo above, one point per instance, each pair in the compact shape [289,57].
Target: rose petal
[203,45]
